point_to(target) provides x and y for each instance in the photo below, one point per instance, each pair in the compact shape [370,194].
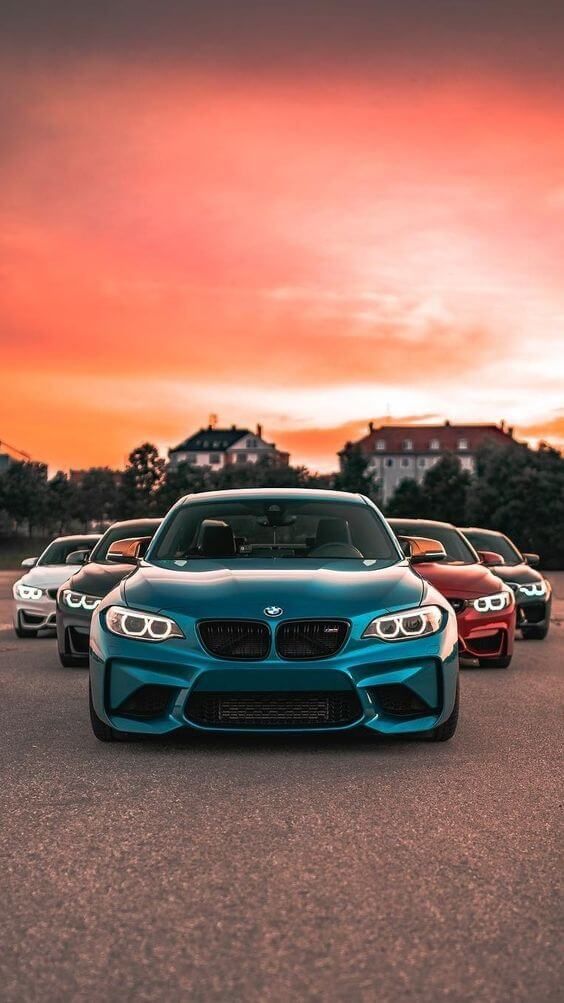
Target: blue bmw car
[274,610]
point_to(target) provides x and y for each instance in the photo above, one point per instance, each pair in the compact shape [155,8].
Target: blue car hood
[231,589]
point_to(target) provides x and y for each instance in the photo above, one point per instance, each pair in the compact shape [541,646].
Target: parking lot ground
[281,869]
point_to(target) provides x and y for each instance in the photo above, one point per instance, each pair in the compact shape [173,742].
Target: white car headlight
[494,603]
[79,600]
[141,626]
[409,623]
[27,592]
[533,589]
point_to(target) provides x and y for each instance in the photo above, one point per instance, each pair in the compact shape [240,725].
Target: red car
[484,605]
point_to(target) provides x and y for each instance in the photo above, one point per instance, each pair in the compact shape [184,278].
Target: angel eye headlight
[27,592]
[494,603]
[140,626]
[407,624]
[79,600]
[533,589]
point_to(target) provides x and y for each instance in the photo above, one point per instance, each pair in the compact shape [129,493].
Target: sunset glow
[301,249]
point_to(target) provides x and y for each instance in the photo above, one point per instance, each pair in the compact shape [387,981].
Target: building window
[405,461]
[191,458]
[408,444]
[463,443]
[251,443]
[215,458]
[380,444]
[435,444]
[241,458]
[389,462]
[421,461]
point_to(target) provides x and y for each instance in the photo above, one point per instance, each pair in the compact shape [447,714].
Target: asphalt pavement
[281,869]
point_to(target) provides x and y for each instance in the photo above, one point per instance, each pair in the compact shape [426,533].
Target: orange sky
[307,250]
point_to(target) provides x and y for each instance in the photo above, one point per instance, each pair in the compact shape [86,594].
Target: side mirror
[421,550]
[78,557]
[490,558]
[532,559]
[29,562]
[116,558]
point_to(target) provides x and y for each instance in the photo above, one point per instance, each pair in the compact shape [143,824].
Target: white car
[36,591]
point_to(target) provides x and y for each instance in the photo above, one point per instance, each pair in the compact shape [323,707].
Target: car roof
[418,522]
[77,536]
[317,494]
[477,529]
[135,522]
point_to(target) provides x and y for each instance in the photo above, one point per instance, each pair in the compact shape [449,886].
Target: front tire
[445,731]
[534,633]
[495,663]
[102,731]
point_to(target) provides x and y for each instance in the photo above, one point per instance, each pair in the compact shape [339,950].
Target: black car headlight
[537,589]
[80,600]
[140,626]
[410,623]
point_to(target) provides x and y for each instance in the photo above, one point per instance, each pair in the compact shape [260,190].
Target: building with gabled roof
[218,447]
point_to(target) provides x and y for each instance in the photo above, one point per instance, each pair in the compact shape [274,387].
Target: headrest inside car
[216,539]
[332,531]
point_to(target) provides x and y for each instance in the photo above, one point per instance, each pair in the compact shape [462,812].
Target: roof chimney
[259,431]
[370,426]
[502,425]
[510,431]
[447,423]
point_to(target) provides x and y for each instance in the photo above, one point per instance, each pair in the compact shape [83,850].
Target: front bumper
[422,672]
[486,635]
[34,615]
[533,611]
[73,631]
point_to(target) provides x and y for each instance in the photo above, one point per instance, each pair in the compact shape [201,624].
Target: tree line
[515,489]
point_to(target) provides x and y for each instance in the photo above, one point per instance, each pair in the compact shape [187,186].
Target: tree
[61,502]
[445,488]
[408,501]
[355,474]
[140,482]
[25,493]
[95,497]
[520,492]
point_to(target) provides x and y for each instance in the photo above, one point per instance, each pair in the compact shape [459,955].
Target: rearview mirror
[78,557]
[421,550]
[532,559]
[29,562]
[490,558]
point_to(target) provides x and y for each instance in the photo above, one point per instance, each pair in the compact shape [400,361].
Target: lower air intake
[399,701]
[147,702]
[244,640]
[274,710]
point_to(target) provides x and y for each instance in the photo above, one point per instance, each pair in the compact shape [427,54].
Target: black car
[533,593]
[114,556]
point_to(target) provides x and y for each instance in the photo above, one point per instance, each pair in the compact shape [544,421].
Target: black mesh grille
[458,604]
[274,710]
[304,639]
[247,640]
[399,701]
[78,641]
[52,593]
[486,645]
[146,702]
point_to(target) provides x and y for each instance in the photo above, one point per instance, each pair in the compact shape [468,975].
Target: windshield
[131,533]
[58,551]
[497,543]
[271,528]
[457,549]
